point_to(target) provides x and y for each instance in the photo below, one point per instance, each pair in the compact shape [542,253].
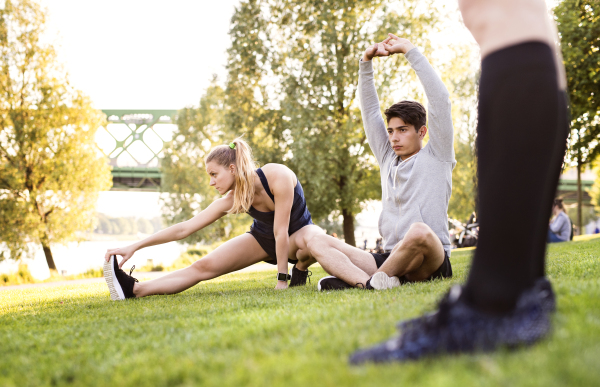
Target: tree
[185,183]
[50,168]
[578,24]
[296,62]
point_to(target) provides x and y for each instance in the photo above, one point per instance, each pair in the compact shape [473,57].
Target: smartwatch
[283,277]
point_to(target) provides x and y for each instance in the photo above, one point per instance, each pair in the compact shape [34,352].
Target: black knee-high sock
[519,156]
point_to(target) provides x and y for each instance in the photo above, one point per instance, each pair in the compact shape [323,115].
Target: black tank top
[299,215]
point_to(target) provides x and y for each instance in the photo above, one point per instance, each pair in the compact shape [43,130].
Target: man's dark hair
[411,112]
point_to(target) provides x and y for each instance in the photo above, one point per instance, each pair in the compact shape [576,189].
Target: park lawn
[238,331]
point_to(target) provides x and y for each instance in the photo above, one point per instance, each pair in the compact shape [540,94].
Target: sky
[134,54]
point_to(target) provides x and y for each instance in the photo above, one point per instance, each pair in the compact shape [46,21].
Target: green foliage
[190,256]
[296,62]
[238,331]
[50,167]
[579,29]
[185,183]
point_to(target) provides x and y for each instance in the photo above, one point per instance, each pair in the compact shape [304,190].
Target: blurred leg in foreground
[522,133]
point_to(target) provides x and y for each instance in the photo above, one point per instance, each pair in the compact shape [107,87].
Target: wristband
[283,277]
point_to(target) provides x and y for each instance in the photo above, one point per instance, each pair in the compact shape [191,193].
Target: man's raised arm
[439,115]
[375,127]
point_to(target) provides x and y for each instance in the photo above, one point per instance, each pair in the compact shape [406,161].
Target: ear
[232,169]
[422,132]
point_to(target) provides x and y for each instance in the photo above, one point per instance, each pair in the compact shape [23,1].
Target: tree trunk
[48,253]
[579,195]
[348,227]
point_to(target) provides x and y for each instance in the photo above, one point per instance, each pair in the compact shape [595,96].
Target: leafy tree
[296,62]
[50,168]
[185,183]
[144,226]
[578,24]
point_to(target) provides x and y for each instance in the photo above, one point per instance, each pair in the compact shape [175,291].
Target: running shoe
[381,281]
[299,277]
[456,327]
[120,284]
[334,283]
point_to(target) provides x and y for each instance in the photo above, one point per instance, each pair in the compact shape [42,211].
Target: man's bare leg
[350,264]
[417,256]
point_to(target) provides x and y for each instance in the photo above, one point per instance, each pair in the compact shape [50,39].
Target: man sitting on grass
[416,182]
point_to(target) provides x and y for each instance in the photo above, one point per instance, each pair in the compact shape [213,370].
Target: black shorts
[268,245]
[444,271]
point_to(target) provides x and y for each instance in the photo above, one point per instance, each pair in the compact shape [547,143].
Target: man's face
[404,139]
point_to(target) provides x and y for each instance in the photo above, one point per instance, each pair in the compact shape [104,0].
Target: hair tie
[232,145]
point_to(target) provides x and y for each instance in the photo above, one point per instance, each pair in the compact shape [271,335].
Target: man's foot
[381,281]
[334,283]
[299,277]
[459,328]
[119,283]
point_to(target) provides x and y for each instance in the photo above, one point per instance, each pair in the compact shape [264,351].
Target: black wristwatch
[283,277]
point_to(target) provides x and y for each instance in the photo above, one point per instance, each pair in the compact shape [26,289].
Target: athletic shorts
[268,245]
[444,271]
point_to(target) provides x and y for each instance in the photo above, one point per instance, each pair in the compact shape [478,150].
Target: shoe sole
[319,284]
[381,281]
[116,292]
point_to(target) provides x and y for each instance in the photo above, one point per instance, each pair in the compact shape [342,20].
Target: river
[75,258]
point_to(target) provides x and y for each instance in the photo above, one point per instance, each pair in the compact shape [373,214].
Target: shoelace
[131,271]
[308,275]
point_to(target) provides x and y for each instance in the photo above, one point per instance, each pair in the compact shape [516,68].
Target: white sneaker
[381,281]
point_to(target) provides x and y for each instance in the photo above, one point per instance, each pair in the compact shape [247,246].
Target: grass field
[238,331]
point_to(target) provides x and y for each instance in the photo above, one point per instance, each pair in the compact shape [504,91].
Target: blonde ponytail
[240,155]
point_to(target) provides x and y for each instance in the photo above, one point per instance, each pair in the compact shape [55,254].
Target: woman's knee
[204,268]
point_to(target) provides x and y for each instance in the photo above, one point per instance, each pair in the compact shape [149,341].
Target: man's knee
[318,242]
[418,235]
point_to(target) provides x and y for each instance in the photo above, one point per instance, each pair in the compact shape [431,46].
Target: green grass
[237,331]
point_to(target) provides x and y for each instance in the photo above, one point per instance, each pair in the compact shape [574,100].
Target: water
[75,258]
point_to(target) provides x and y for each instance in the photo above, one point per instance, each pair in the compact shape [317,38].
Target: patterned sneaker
[381,281]
[458,328]
[119,283]
[299,277]
[334,283]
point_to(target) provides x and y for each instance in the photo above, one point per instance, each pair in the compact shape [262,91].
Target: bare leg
[417,256]
[299,245]
[238,253]
[350,264]
[496,24]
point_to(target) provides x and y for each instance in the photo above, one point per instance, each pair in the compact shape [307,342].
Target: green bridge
[134,139]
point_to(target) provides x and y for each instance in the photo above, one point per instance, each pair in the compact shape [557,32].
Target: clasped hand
[392,45]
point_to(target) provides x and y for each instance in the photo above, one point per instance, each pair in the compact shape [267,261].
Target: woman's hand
[281,285]
[125,252]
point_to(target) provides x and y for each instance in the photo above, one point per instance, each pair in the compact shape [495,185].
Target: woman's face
[223,179]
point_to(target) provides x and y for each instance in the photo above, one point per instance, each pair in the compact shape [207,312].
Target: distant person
[282,227]
[416,182]
[522,131]
[365,245]
[560,226]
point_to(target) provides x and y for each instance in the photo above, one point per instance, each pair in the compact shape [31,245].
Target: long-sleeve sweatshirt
[561,226]
[417,189]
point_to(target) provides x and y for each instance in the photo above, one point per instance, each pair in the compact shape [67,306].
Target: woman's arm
[282,181]
[210,214]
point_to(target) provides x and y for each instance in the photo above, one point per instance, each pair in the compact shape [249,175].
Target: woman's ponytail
[239,154]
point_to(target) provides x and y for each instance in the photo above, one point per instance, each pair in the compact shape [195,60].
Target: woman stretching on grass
[282,226]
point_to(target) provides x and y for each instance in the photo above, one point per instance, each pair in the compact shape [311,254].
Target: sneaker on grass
[120,284]
[334,283]
[456,327]
[299,277]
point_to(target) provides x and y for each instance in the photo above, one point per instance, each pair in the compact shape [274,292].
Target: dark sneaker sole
[116,292]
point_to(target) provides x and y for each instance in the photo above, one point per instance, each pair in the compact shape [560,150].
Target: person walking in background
[521,140]
[560,226]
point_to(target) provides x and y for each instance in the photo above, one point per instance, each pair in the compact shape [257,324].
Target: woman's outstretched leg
[235,254]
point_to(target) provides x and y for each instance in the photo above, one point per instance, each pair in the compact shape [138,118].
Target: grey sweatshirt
[561,226]
[417,189]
